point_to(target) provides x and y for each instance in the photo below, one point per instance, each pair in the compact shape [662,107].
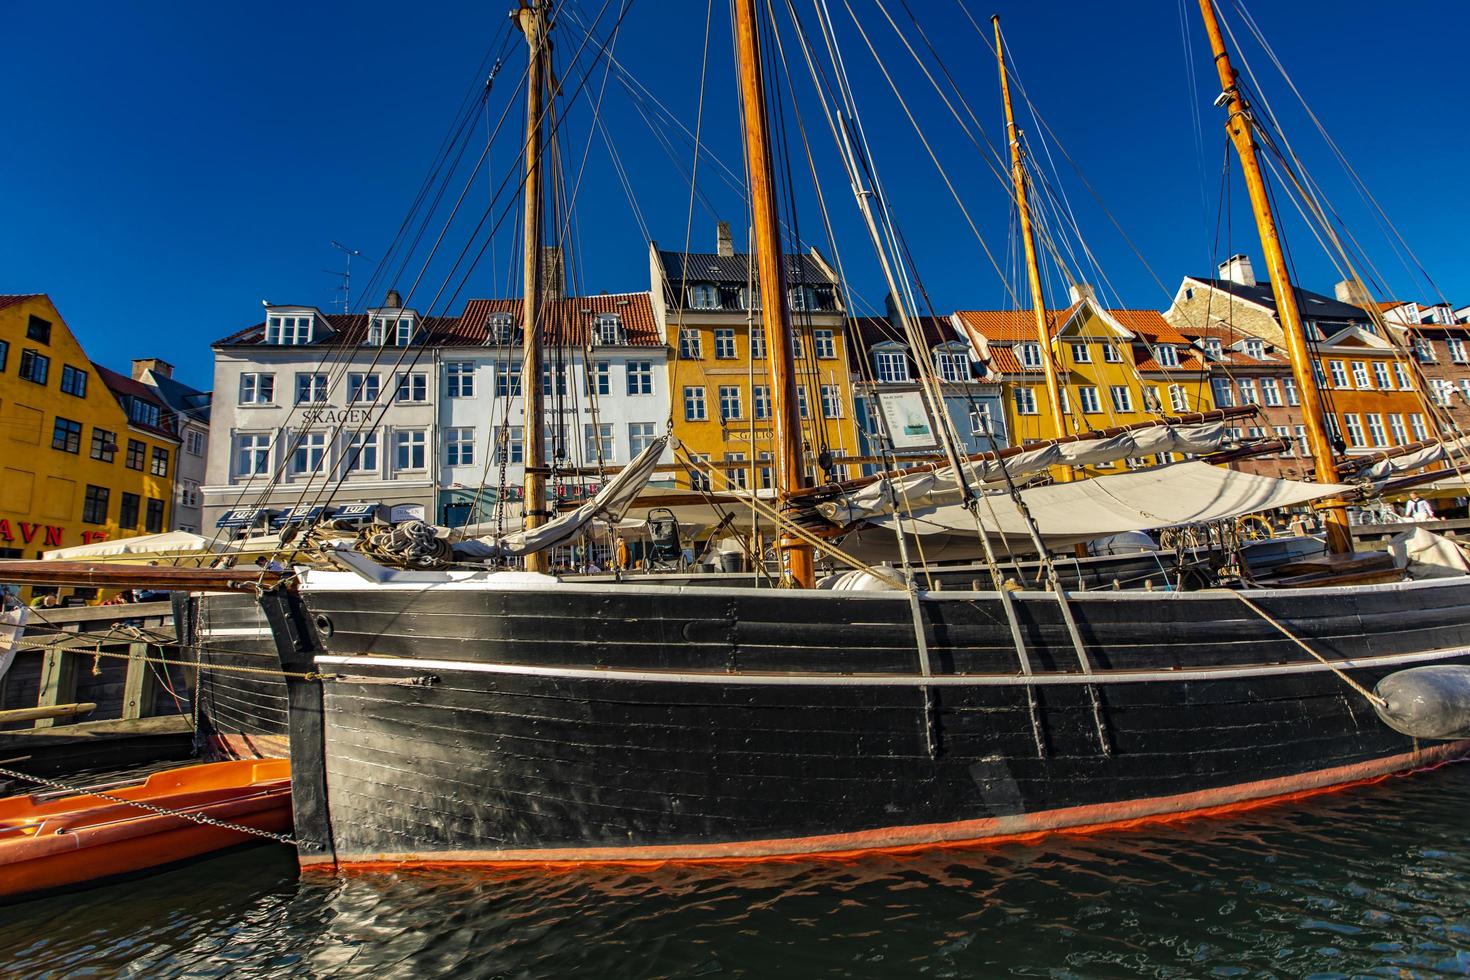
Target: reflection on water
[1374,881]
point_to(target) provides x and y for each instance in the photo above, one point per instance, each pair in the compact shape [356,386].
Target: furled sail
[1069,513]
[1384,469]
[939,487]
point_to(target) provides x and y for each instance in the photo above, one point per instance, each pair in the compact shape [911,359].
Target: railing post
[139,686]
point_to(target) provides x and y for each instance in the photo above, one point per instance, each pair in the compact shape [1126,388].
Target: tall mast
[1028,240]
[771,266]
[532,24]
[1238,125]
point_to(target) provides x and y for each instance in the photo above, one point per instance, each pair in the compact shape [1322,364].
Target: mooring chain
[198,818]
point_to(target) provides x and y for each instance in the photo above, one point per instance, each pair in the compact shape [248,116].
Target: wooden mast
[1028,240]
[771,266]
[534,506]
[1238,125]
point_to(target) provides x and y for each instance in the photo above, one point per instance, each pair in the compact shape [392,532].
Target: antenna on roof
[346,275]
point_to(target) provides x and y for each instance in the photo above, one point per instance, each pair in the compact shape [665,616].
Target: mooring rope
[1373,699]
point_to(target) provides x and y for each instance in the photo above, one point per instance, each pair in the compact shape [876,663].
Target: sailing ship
[482,714]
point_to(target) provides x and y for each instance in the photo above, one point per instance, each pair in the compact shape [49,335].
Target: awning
[355,512]
[297,515]
[246,517]
[168,544]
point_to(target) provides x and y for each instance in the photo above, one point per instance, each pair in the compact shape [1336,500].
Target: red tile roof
[565,322]
[13,298]
[1010,326]
[1149,324]
[1003,360]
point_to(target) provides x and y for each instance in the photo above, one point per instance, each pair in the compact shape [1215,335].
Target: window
[38,330]
[408,449]
[1081,354]
[4,354]
[128,509]
[831,402]
[698,477]
[252,454]
[362,452]
[825,343]
[311,388]
[1380,374]
[1029,354]
[640,377]
[1400,372]
[1025,399]
[694,410]
[1151,402]
[257,389]
[1301,440]
[689,344]
[1292,398]
[1396,426]
[1248,394]
[1416,423]
[310,453]
[73,381]
[288,330]
[1088,397]
[1354,428]
[153,518]
[736,476]
[1465,390]
[1167,355]
[1360,375]
[143,413]
[609,327]
[67,435]
[1224,393]
[500,329]
[798,349]
[94,505]
[597,442]
[1376,434]
[760,395]
[1213,348]
[1441,390]
[362,387]
[459,446]
[508,380]
[1319,375]
[725,343]
[34,366]
[758,342]
[194,442]
[640,436]
[556,372]
[801,406]
[1111,354]
[413,387]
[951,365]
[104,444]
[137,452]
[1339,374]
[459,379]
[979,420]
[765,471]
[1457,350]
[599,378]
[730,407]
[510,445]
[891,365]
[1270,392]
[1122,398]
[1424,351]
[704,296]
[159,466]
[1178,398]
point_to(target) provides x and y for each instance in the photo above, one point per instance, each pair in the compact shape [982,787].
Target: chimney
[1078,290]
[553,273]
[1237,269]
[724,244]
[1351,291]
[161,368]
[393,301]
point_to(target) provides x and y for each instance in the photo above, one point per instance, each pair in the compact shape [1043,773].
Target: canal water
[1374,881]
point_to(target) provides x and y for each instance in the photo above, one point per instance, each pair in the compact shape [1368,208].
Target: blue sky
[169,166]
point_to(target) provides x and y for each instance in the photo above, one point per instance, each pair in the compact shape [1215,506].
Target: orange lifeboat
[48,842]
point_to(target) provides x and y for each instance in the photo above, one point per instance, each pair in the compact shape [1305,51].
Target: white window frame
[1122,397]
[695,407]
[825,344]
[459,445]
[410,450]
[1024,397]
[311,388]
[732,405]
[1090,399]
[640,436]
[361,454]
[640,377]
[1081,352]
[599,436]
[1167,355]
[309,455]
[459,379]
[1029,354]
[891,366]
[831,401]
[252,454]
[691,345]
[726,346]
[258,388]
[413,387]
[360,384]
[761,401]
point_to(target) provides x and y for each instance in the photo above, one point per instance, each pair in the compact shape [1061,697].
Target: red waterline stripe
[1019,828]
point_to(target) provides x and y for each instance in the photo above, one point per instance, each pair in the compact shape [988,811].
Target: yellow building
[1115,367]
[719,381]
[84,457]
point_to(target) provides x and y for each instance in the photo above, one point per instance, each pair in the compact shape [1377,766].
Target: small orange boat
[49,842]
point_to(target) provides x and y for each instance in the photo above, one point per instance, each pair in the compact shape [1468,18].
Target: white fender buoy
[1426,702]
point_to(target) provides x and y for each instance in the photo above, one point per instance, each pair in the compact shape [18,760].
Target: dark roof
[1314,306]
[565,322]
[181,398]
[123,386]
[348,329]
[736,269]
[14,298]
[868,332]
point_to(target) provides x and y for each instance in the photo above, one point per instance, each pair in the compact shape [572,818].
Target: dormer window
[1256,349]
[609,328]
[704,296]
[1167,355]
[803,298]
[391,329]
[143,413]
[1029,354]
[891,365]
[750,299]
[403,332]
[951,365]
[500,329]
[288,330]
[1213,348]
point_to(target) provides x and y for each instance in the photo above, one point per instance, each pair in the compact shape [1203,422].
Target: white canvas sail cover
[1456,451]
[611,502]
[938,487]
[1069,513]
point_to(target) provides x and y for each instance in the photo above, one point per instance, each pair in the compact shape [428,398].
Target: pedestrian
[1418,509]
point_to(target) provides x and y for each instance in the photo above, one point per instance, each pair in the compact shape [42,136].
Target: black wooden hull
[585,722]
[242,696]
